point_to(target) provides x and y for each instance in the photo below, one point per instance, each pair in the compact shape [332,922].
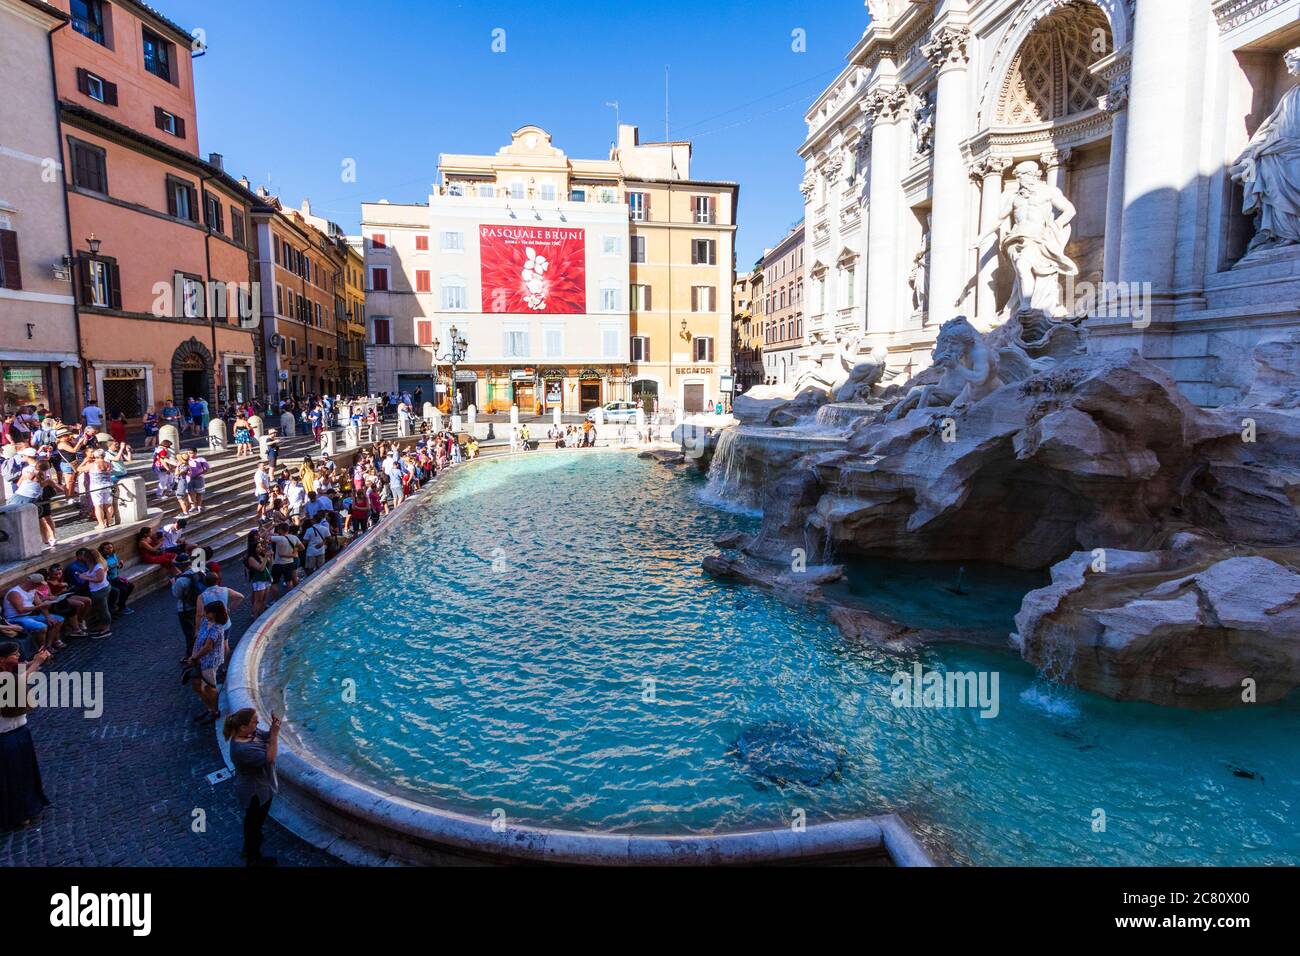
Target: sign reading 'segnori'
[533,271]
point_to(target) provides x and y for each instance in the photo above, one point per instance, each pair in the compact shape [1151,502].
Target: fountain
[1032,455]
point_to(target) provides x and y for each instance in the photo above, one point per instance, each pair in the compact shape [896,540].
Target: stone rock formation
[1174,627]
[1027,461]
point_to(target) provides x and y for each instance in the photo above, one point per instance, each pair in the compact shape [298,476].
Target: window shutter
[194,204]
[114,286]
[713,208]
[180,127]
[645,304]
[12,267]
[110,93]
[83,81]
[708,350]
[83,281]
[695,252]
[171,198]
[158,117]
[645,343]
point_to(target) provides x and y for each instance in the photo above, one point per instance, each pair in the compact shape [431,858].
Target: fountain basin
[577,581]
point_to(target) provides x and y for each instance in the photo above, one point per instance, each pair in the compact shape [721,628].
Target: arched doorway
[191,372]
[645,392]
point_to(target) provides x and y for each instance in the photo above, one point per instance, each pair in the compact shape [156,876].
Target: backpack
[199,466]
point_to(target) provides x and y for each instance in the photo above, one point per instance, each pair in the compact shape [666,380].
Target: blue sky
[289,90]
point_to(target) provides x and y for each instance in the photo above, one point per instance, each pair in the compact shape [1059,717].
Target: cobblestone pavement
[129,788]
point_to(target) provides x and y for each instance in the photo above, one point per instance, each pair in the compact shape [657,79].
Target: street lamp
[457,348]
[93,243]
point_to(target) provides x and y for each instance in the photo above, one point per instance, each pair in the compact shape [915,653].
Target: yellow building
[640,264]
[682,243]
[352,331]
[747,326]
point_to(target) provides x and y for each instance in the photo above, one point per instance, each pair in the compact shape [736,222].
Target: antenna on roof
[667,138]
[614,104]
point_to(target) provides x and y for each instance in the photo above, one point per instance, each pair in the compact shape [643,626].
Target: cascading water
[728,486]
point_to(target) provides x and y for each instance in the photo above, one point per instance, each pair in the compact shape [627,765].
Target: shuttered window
[182,200]
[96,87]
[89,169]
[99,282]
[11,276]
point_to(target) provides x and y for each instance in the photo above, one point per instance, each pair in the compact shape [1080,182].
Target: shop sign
[704,370]
[521,374]
[118,374]
[466,376]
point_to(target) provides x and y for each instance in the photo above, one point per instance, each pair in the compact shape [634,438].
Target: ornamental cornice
[1232,14]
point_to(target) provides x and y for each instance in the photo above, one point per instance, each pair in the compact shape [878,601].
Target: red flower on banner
[533,271]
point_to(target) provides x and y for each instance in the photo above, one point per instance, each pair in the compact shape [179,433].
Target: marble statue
[1269,170]
[848,376]
[967,372]
[1033,238]
[923,126]
[859,376]
[918,276]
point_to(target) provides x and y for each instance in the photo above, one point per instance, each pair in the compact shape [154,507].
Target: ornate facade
[1079,161]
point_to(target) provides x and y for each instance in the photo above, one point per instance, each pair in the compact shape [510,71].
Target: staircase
[228,514]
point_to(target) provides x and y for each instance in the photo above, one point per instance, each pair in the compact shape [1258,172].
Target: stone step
[226,472]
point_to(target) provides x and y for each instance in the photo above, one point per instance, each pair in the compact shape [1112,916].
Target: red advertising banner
[533,271]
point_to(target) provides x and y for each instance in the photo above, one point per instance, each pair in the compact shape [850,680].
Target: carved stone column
[988,173]
[1156,161]
[1115,102]
[883,106]
[1055,162]
[950,257]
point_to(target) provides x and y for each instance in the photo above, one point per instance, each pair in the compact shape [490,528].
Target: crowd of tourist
[306,515]
[49,460]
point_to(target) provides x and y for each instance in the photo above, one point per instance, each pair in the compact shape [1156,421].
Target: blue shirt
[74,572]
[216,655]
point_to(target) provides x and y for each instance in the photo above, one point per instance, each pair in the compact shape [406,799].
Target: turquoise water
[540,639]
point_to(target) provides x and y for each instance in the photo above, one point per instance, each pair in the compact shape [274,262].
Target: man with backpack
[186,588]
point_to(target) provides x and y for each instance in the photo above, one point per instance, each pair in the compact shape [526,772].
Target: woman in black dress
[21,796]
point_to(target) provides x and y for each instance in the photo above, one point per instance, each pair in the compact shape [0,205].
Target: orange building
[163,253]
[303,287]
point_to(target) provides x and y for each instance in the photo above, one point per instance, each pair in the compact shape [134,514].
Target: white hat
[28,453]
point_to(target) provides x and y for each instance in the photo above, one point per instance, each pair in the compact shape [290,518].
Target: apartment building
[162,258]
[352,331]
[303,296]
[38,332]
[572,282]
[747,329]
[682,268]
[783,326]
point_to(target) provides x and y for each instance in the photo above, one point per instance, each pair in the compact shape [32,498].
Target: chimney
[217,160]
[243,181]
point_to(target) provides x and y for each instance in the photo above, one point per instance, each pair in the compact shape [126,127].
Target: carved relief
[885,102]
[947,48]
